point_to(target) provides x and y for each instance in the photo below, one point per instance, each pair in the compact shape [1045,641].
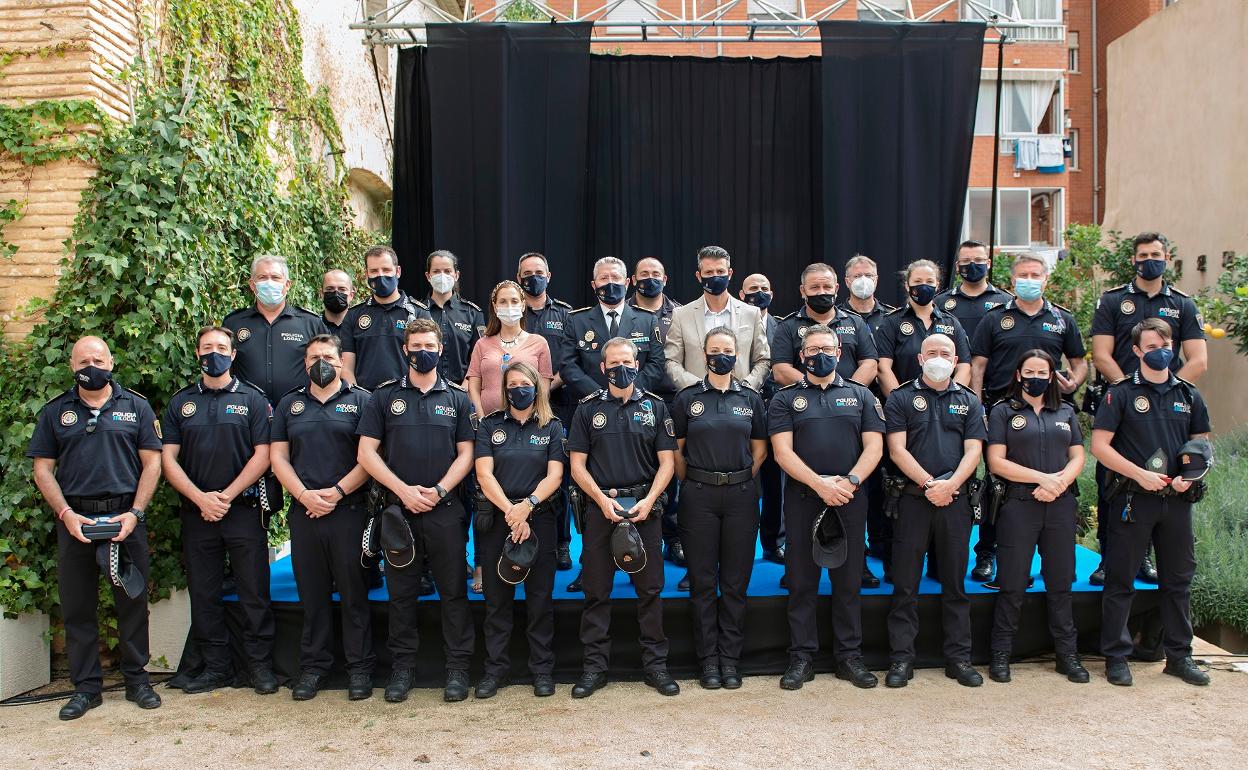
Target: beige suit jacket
[686,361]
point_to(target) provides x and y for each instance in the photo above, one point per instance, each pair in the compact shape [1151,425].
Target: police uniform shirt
[333,328]
[270,356]
[323,442]
[857,341]
[873,318]
[549,322]
[622,438]
[901,334]
[218,430]
[1119,310]
[970,310]
[1007,332]
[1144,417]
[374,333]
[665,388]
[935,422]
[827,423]
[584,334]
[104,462]
[462,324]
[520,450]
[1040,441]
[718,425]
[418,431]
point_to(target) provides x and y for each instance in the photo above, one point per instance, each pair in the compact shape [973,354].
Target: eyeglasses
[829,350]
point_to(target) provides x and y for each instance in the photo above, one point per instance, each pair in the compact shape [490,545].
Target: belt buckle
[721,479]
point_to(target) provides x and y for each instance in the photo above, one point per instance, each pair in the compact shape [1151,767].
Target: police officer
[858,359]
[519,463]
[1026,321]
[756,290]
[721,434]
[827,435]
[1148,295]
[271,335]
[547,316]
[900,335]
[314,456]
[337,294]
[1036,448]
[96,451]
[621,445]
[1138,432]
[416,440]
[861,279]
[372,333]
[974,295]
[935,436]
[462,321]
[216,451]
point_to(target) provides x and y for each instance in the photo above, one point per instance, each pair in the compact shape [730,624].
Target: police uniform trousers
[771,514]
[801,508]
[440,539]
[1023,523]
[879,526]
[205,545]
[79,577]
[718,525]
[918,524]
[500,596]
[325,554]
[597,578]
[561,501]
[1166,522]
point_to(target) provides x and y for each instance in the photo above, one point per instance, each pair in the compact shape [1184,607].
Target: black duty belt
[914,490]
[640,490]
[100,504]
[718,478]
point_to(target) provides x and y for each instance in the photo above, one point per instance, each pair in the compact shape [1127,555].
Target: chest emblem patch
[919,403]
[69,418]
[365,321]
[398,406]
[599,420]
[244,334]
[297,407]
[697,408]
[498,437]
[1141,404]
[799,404]
[1018,422]
[188,409]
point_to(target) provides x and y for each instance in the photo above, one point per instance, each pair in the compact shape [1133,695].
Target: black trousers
[1166,522]
[597,577]
[1022,525]
[918,524]
[325,554]
[205,545]
[801,508]
[500,597]
[440,537]
[771,515]
[986,546]
[79,578]
[879,526]
[718,525]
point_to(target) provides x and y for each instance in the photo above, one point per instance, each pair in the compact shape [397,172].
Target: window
[1029,218]
[1028,10]
[774,9]
[882,10]
[1027,107]
[1073,138]
[629,10]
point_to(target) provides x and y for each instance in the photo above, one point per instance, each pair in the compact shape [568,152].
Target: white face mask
[442,283]
[509,314]
[862,287]
[937,369]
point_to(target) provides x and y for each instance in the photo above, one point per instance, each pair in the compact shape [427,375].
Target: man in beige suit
[686,361]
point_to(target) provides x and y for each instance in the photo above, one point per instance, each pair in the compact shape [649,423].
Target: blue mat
[765,580]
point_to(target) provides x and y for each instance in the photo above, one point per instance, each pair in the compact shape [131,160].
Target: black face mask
[759,299]
[214,364]
[335,301]
[820,303]
[650,287]
[721,363]
[621,376]
[383,285]
[923,293]
[611,294]
[424,361]
[1035,386]
[322,372]
[93,377]
[821,364]
[973,272]
[534,285]
[522,396]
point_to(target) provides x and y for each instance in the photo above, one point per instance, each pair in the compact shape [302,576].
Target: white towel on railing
[1051,152]
[1026,153]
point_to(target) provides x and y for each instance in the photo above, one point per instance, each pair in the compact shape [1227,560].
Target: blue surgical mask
[424,361]
[383,285]
[922,293]
[521,396]
[270,293]
[1150,269]
[610,293]
[534,285]
[1029,288]
[214,364]
[821,364]
[621,376]
[721,363]
[650,287]
[973,272]
[1159,360]
[715,284]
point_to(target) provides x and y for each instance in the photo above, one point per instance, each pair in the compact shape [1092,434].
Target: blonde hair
[541,404]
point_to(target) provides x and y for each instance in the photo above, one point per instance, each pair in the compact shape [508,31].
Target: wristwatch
[533,501]
[138,514]
[441,492]
[857,482]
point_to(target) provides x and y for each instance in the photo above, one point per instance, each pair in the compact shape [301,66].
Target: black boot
[588,684]
[856,672]
[999,668]
[710,678]
[1070,665]
[797,674]
[964,672]
[1187,670]
[79,704]
[307,686]
[900,672]
[400,683]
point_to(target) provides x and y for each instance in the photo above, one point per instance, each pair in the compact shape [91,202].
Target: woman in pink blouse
[504,342]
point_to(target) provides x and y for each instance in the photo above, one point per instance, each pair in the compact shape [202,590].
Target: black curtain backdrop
[898,122]
[412,213]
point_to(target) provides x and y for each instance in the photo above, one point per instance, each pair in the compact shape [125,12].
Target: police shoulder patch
[581,309]
[561,304]
[879,409]
[590,397]
[156,427]
[456,386]
[670,427]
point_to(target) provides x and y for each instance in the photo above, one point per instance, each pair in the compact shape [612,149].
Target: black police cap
[397,542]
[627,549]
[1195,459]
[517,559]
[828,544]
[115,562]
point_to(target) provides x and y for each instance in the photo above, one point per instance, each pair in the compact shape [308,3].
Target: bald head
[755,282]
[90,351]
[938,342]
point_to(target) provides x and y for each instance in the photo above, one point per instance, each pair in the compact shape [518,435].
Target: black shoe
[999,668]
[456,686]
[784,581]
[208,681]
[575,586]
[900,672]
[853,670]
[79,704]
[729,678]
[1097,578]
[589,684]
[662,681]
[683,585]
[797,674]
[359,686]
[995,583]
[263,681]
[1070,665]
[426,584]
[676,552]
[775,556]
[1148,572]
[869,580]
[983,569]
[488,687]
[563,557]
[710,679]
[400,682]
[1187,670]
[307,686]
[1118,672]
[964,672]
[143,695]
[543,685]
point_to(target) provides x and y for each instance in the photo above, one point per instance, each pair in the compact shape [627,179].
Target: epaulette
[353,386]
[581,309]
[305,310]
[901,309]
[66,393]
[296,389]
[353,307]
[1123,287]
[886,307]
[652,394]
[387,382]
[253,386]
[785,317]
[590,397]
[1066,310]
[456,386]
[192,386]
[491,414]
[904,384]
[687,387]
[996,307]
[233,313]
[1176,290]
[419,304]
[790,385]
[132,391]
[643,310]
[561,303]
[471,304]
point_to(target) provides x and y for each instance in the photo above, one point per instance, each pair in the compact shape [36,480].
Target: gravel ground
[1038,721]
